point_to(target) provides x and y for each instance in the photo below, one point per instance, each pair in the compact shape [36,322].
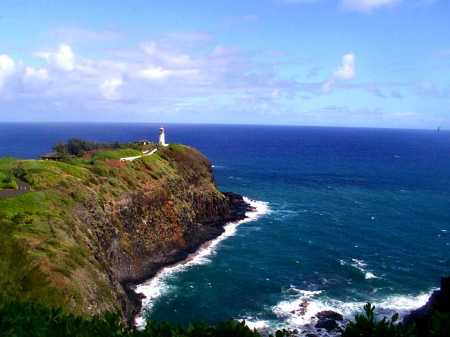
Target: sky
[364,63]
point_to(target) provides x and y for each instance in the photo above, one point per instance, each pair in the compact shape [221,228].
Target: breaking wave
[361,266]
[300,309]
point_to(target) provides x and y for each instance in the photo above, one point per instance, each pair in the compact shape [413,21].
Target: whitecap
[157,286]
[360,265]
[256,324]
[368,275]
[357,263]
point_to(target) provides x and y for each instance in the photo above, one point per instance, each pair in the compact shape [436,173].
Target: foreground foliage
[366,325]
[27,319]
[19,319]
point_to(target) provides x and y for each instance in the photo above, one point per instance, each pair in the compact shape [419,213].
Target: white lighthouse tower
[162,137]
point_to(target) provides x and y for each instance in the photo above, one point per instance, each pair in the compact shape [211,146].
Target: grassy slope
[7,180]
[44,251]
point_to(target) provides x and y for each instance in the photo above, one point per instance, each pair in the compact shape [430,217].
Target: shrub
[78,147]
[440,324]
[366,325]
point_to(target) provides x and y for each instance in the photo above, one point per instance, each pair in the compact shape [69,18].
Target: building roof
[51,155]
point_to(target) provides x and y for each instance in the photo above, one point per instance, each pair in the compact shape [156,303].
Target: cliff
[434,317]
[89,228]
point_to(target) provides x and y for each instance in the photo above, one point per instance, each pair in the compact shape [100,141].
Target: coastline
[143,292]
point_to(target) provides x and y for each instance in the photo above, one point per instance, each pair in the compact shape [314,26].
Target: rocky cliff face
[158,226]
[116,224]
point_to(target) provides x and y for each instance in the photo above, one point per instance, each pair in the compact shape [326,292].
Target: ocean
[344,216]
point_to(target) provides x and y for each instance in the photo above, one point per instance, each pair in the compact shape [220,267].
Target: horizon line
[229,124]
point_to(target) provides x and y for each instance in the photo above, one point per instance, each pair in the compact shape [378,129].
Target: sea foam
[300,310]
[158,286]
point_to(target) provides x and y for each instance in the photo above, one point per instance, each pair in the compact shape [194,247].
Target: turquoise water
[355,216]
[346,216]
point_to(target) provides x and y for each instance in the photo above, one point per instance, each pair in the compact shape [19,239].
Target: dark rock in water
[328,320]
[329,314]
[438,301]
[327,324]
[302,308]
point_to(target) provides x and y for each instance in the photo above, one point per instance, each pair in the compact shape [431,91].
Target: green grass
[46,173]
[7,163]
[157,165]
[7,179]
[33,202]
[178,147]
[19,275]
[116,154]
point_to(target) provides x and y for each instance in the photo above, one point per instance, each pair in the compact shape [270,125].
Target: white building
[162,137]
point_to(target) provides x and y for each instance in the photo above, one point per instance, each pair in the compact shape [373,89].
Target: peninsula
[81,227]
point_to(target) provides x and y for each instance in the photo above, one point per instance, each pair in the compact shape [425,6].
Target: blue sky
[371,63]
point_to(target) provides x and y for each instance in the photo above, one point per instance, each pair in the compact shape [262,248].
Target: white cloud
[7,69]
[154,77]
[154,73]
[63,58]
[347,70]
[109,88]
[367,5]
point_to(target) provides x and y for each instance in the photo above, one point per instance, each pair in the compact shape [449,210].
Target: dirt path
[22,188]
[144,154]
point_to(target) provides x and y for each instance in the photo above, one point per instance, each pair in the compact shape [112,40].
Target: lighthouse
[162,137]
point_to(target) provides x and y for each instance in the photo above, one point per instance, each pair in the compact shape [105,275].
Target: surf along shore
[153,288]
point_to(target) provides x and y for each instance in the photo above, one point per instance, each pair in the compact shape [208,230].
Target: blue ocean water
[355,215]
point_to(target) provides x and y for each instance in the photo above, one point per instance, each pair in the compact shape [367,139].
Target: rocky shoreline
[331,323]
[237,212]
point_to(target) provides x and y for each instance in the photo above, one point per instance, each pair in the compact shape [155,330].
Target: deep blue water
[358,214]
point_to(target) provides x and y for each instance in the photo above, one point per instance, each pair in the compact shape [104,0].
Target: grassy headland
[67,242]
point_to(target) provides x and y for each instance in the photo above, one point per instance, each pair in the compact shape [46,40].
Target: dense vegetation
[78,147]
[366,325]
